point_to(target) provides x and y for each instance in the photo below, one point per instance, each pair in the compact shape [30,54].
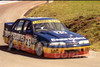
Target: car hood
[60,36]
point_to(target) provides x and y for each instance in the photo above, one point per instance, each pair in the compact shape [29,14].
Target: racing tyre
[39,49]
[10,43]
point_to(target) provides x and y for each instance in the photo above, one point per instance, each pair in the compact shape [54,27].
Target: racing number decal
[30,41]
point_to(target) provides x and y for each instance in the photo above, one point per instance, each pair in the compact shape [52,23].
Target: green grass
[82,17]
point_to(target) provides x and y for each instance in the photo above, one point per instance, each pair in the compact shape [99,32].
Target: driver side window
[27,28]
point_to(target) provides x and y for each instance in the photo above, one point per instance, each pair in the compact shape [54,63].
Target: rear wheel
[39,49]
[10,43]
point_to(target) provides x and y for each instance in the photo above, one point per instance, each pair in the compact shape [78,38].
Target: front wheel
[39,49]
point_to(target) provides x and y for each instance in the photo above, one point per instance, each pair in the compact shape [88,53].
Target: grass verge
[82,17]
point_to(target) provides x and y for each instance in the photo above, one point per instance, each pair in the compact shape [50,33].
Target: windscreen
[49,26]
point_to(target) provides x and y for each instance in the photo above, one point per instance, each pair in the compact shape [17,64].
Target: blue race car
[46,37]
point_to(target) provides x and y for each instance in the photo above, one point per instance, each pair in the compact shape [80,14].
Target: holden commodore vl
[46,37]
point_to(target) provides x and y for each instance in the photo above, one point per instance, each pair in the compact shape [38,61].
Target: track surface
[14,58]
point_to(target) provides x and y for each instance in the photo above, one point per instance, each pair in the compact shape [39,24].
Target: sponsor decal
[45,21]
[6,33]
[60,32]
[28,40]
[16,36]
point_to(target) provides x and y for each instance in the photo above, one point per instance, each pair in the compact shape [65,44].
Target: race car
[46,37]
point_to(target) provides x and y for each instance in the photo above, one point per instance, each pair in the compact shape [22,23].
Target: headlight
[58,43]
[84,42]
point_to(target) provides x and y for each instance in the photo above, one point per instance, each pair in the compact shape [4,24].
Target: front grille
[71,51]
[72,43]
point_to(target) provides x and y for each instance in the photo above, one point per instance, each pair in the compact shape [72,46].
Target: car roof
[39,18]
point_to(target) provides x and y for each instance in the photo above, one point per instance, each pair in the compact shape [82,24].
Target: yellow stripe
[14,42]
[5,39]
[49,50]
[19,43]
[45,21]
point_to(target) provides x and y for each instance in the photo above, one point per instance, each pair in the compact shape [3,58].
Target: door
[28,33]
[16,33]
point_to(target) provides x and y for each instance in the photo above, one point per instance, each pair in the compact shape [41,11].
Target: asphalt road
[15,58]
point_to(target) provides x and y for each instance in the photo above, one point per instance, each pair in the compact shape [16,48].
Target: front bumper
[66,52]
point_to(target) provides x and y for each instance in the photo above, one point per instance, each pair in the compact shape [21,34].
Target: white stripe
[6,2]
